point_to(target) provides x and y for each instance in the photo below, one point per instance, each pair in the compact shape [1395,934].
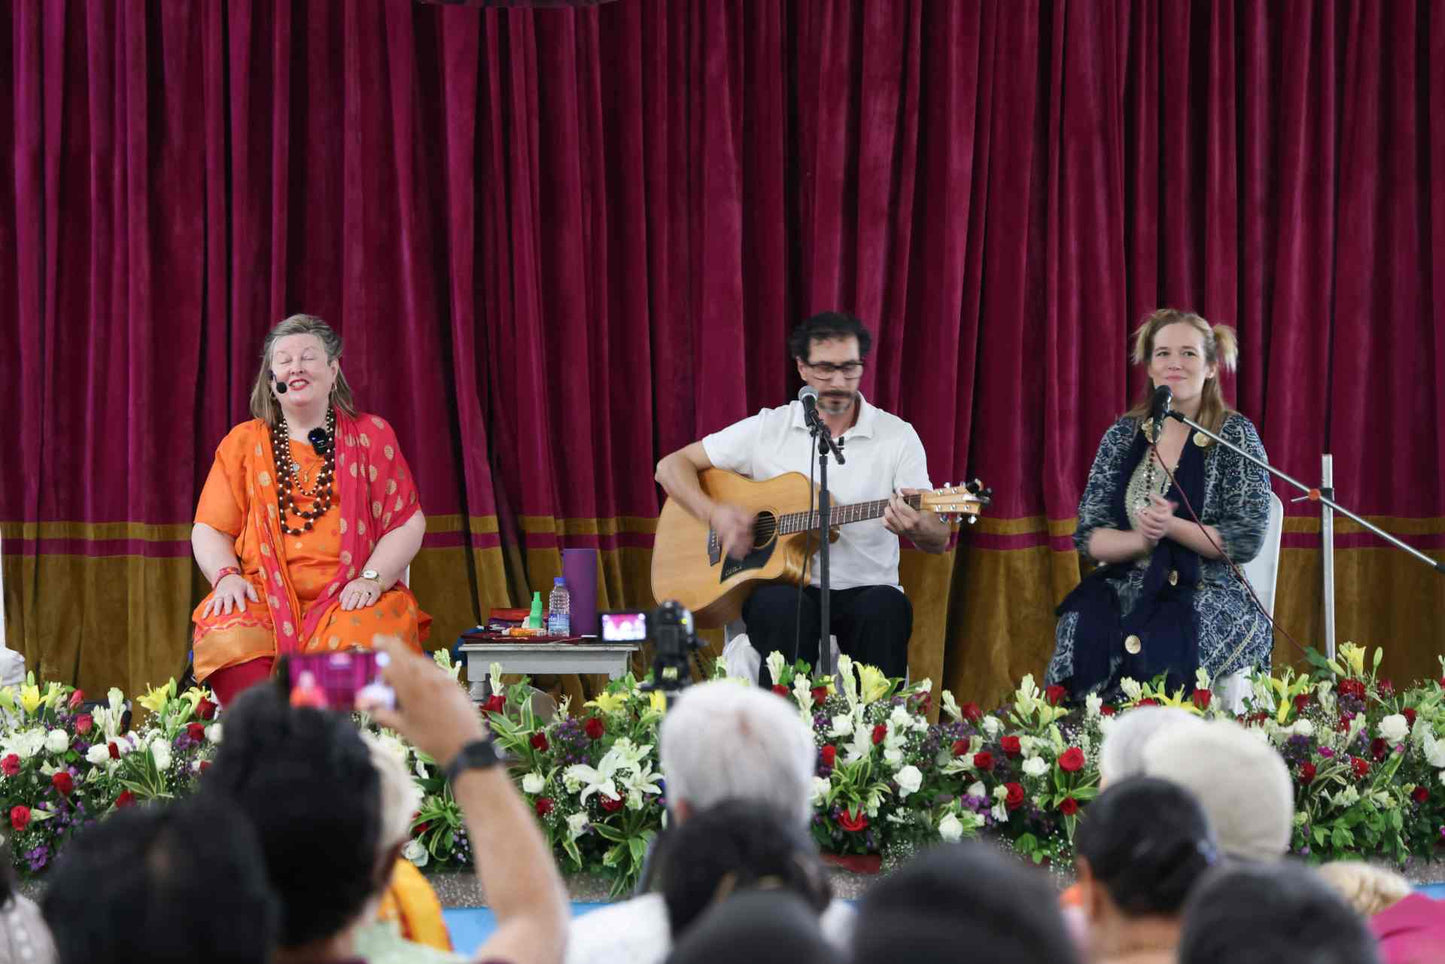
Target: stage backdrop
[562,243]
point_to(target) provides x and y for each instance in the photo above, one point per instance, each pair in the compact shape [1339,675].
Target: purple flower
[1326,752]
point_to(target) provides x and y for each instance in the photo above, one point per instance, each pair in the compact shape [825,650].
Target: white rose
[161,753]
[1304,728]
[977,790]
[533,783]
[900,718]
[949,828]
[98,754]
[1442,776]
[415,852]
[820,790]
[991,726]
[213,733]
[57,741]
[909,780]
[842,725]
[1035,766]
[893,755]
[1093,704]
[1395,728]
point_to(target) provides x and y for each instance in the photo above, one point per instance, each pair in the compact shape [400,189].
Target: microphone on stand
[1159,407]
[808,395]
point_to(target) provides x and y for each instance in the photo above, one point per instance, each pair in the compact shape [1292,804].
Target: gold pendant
[1202,440]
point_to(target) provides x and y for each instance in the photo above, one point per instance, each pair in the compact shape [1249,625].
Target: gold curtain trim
[1395,525]
[97,531]
[546,524]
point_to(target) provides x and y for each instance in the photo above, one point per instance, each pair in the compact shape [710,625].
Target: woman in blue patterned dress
[1164,599]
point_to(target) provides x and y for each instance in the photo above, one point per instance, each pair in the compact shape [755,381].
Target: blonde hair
[263,403]
[1221,349]
[1365,887]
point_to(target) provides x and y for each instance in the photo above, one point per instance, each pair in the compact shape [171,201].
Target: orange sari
[298,578]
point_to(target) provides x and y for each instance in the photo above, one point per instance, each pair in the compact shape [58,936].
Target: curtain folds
[561,243]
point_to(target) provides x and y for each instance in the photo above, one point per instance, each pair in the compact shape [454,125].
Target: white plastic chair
[1263,574]
[739,656]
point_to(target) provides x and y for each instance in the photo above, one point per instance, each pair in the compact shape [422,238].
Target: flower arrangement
[1368,763]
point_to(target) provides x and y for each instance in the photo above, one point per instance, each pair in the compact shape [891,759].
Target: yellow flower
[609,702]
[30,698]
[54,695]
[1354,657]
[7,697]
[155,700]
[193,696]
[872,683]
[657,701]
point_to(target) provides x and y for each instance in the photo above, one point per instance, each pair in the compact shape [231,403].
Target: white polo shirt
[884,454]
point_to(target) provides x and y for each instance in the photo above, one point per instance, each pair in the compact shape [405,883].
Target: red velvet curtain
[561,243]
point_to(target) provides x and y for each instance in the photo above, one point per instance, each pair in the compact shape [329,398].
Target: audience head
[306,779]
[1122,753]
[735,846]
[1365,887]
[180,883]
[1273,913]
[400,798]
[963,896]
[758,927]
[723,740]
[1142,844]
[1238,778]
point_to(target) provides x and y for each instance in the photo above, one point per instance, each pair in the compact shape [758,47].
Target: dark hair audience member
[962,899]
[734,846]
[1271,913]
[1142,846]
[757,927]
[164,885]
[305,778]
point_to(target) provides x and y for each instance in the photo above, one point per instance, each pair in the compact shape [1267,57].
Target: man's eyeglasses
[850,369]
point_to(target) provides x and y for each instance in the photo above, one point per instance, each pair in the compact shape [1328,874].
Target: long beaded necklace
[287,472]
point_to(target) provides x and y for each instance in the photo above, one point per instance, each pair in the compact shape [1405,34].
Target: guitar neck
[839,515]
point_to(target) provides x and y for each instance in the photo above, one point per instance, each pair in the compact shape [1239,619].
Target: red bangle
[222,574]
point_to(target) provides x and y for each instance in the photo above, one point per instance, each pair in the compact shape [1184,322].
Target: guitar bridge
[714,548]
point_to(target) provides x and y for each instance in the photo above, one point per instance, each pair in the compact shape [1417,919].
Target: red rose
[1151,701]
[84,723]
[1379,748]
[879,732]
[611,804]
[1010,745]
[19,817]
[1069,807]
[925,703]
[984,760]
[820,693]
[1409,715]
[420,829]
[1386,688]
[205,765]
[1442,681]
[205,709]
[1301,701]
[829,754]
[847,821]
[76,699]
[1107,710]
[970,712]
[126,799]
[61,781]
[543,806]
[1360,766]
[1071,760]
[1015,798]
[1306,772]
[781,690]
[1420,794]
[10,765]
[114,750]
[1201,699]
[196,731]
[1345,720]
[1353,688]
[539,741]
[496,703]
[960,747]
[1055,694]
[594,728]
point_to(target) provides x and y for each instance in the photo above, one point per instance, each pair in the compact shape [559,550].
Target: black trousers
[872,624]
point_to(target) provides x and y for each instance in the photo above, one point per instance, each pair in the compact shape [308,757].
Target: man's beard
[836,403]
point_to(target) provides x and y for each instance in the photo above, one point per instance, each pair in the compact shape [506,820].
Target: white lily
[950,706]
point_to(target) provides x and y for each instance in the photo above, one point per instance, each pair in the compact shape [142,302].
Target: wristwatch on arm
[476,755]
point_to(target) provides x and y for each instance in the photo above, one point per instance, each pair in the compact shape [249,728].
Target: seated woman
[306,522]
[1165,600]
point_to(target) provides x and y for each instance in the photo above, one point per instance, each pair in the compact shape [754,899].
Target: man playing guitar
[871,616]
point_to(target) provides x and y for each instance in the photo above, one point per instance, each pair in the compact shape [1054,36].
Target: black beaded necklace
[287,472]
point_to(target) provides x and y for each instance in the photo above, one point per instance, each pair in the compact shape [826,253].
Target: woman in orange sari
[307,521]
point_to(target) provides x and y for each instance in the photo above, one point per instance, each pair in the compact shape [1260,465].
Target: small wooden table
[542,659]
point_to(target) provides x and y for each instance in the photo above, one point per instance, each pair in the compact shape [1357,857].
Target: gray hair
[1122,754]
[400,797]
[263,403]
[724,740]
[1240,780]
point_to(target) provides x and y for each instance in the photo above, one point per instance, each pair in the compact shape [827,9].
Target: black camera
[669,628]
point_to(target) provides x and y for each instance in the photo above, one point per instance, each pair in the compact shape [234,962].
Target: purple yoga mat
[579,568]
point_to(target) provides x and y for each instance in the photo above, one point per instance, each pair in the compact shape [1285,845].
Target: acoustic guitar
[688,562]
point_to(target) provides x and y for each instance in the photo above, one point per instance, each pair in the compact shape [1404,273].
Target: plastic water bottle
[559,609]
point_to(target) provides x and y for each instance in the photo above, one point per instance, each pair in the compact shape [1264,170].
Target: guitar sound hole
[765,529]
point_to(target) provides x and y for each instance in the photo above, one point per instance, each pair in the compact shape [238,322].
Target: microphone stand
[1313,494]
[826,444]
